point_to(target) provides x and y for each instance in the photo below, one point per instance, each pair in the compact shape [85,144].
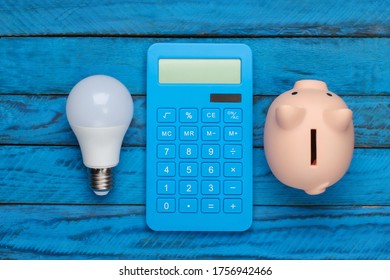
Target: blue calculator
[199,137]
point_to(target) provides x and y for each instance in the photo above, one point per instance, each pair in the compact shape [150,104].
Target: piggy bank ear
[288,116]
[338,119]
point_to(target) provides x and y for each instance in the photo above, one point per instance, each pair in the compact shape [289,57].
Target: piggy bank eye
[294,93]
[329,94]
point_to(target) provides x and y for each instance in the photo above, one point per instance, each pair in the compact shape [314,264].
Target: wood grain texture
[45,118]
[41,120]
[56,175]
[31,119]
[55,65]
[119,232]
[195,18]
[47,210]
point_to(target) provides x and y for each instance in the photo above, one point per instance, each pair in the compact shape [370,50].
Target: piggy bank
[309,137]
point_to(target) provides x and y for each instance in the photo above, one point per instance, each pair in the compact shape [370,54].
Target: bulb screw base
[101,179]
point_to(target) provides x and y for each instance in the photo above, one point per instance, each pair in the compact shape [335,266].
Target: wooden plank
[120,232]
[48,125]
[56,175]
[195,18]
[55,65]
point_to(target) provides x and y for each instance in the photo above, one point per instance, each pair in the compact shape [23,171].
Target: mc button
[166,133]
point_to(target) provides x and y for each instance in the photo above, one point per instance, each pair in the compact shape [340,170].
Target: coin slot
[313,145]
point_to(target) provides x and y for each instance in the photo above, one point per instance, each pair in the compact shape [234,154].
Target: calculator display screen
[199,71]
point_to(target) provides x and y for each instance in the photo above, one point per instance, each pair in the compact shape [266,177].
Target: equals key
[210,205]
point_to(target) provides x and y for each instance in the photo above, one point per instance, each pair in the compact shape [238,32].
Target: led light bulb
[99,110]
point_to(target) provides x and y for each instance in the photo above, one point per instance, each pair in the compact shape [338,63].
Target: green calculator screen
[199,71]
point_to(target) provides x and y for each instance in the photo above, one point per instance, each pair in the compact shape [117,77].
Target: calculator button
[188,151]
[211,133]
[166,169]
[166,151]
[188,205]
[233,133]
[166,133]
[232,206]
[210,169]
[210,205]
[166,115]
[232,187]
[232,151]
[232,169]
[210,187]
[210,115]
[232,115]
[188,187]
[188,115]
[188,133]
[210,151]
[166,205]
[188,169]
[165,187]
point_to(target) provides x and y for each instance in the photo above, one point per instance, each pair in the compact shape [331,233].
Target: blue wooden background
[47,210]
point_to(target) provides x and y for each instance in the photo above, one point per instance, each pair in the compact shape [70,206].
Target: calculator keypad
[207,176]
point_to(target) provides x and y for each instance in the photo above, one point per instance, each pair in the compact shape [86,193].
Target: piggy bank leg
[318,190]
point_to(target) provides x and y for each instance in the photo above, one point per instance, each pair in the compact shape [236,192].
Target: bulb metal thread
[101,179]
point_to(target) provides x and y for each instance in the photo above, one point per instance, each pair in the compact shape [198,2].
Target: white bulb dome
[99,101]
[99,110]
